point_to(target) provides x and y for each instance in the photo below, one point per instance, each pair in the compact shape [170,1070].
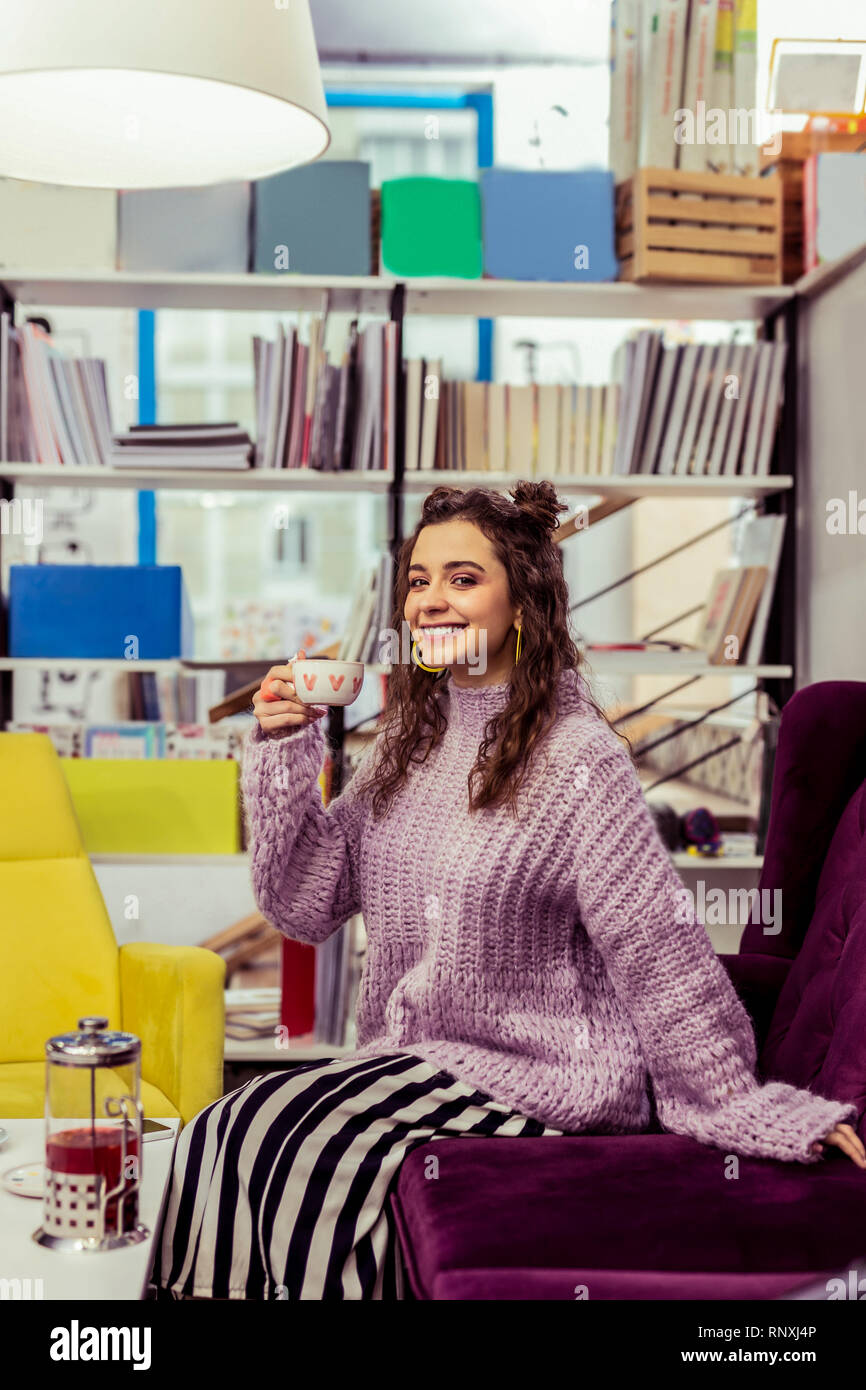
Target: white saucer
[27,1180]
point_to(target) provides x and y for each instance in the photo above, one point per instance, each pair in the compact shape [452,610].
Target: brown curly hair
[521,533]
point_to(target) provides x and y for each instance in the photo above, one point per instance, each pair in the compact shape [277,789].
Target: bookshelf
[373,294]
[200,479]
[379,480]
[775,307]
[484,298]
[605,663]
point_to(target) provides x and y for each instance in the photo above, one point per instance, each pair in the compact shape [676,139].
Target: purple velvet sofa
[650,1216]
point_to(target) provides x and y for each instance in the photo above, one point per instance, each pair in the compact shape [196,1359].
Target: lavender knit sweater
[544,960]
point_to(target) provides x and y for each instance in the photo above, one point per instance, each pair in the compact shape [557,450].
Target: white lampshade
[158,93]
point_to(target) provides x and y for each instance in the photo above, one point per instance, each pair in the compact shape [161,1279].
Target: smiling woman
[525,974]
[480,583]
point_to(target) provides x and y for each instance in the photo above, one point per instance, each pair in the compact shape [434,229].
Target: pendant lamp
[158,93]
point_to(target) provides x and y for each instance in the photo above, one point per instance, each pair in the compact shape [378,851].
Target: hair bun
[540,504]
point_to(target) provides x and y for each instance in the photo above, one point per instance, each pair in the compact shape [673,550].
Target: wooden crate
[699,228]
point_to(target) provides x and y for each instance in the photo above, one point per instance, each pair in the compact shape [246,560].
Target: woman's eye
[467,577]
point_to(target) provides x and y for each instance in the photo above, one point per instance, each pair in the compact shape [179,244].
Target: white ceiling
[487,31]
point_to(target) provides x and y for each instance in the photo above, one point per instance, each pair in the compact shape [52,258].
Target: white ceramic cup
[323,682]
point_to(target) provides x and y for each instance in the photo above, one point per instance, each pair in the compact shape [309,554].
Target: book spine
[275,379]
[624,87]
[314,368]
[744,148]
[773,408]
[719,152]
[664,89]
[581,465]
[741,413]
[350,422]
[810,212]
[698,85]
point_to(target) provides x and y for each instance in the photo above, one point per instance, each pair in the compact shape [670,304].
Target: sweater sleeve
[303,855]
[695,1035]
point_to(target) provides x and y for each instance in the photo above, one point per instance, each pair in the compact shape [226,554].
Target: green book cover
[432,226]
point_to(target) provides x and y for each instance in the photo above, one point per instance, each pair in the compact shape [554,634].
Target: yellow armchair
[59,958]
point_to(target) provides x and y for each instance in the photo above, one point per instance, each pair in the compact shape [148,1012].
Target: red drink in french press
[93,1139]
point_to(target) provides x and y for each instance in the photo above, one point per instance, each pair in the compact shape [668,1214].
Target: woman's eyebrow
[452,565]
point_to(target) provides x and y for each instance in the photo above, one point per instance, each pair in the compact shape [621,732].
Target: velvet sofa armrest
[758,980]
[173,998]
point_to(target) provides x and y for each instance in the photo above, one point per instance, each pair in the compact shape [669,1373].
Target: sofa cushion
[817,1036]
[22,1093]
[544,1285]
[617,1213]
[58,955]
[37,817]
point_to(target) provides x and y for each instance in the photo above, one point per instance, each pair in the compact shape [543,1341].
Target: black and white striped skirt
[280,1189]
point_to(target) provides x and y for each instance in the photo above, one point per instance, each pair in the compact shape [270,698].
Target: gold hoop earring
[517,655]
[421,663]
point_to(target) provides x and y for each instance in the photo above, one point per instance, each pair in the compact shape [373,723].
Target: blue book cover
[548,224]
[135,739]
[120,612]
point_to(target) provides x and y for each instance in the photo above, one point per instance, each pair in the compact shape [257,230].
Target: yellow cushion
[172,997]
[37,817]
[59,958]
[22,1093]
[58,955]
[156,805]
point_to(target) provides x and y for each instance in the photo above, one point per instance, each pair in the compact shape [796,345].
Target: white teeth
[440,631]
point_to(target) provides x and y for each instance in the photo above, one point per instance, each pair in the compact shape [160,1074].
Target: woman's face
[456,581]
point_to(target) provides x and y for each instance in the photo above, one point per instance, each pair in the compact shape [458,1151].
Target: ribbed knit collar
[470,707]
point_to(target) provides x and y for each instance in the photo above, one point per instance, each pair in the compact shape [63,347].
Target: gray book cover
[185,229]
[314,220]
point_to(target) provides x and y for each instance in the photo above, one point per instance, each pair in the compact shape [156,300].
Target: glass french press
[93,1139]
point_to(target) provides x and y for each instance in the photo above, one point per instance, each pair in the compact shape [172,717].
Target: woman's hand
[847,1139]
[286,711]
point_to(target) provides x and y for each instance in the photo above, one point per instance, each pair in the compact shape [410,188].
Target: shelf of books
[675,420]
[481,298]
[637,663]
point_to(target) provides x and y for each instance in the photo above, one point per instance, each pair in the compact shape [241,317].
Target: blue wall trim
[457,101]
[146,416]
[482,102]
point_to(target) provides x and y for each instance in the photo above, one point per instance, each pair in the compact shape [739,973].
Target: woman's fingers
[845,1138]
[852,1134]
[279,684]
[276,704]
[276,689]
